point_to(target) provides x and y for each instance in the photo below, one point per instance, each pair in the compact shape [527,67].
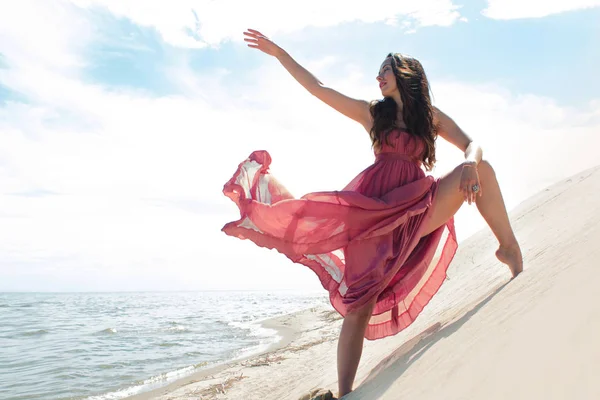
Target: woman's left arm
[449,130]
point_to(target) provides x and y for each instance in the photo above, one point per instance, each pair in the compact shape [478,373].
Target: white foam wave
[147,385]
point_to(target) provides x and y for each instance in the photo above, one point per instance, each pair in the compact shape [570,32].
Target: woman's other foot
[511,256]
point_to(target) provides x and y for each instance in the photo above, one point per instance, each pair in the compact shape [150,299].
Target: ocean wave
[146,385]
[198,338]
[170,375]
[255,329]
[176,327]
[39,332]
[75,351]
[260,347]
[107,331]
[170,344]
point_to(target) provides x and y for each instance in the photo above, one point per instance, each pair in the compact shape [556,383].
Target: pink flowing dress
[363,242]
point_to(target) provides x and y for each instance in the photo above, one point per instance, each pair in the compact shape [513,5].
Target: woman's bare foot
[511,256]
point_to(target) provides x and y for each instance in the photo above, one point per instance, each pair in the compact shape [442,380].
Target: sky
[121,120]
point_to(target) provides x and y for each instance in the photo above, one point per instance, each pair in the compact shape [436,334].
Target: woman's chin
[385,92]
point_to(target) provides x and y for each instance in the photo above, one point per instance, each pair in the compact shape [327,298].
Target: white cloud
[43,33]
[139,192]
[532,141]
[516,9]
[200,23]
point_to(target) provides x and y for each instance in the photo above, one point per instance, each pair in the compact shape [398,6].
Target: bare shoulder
[355,109]
[439,117]
[442,122]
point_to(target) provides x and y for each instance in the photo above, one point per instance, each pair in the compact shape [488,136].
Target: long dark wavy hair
[417,110]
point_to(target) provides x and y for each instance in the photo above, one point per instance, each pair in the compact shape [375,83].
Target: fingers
[469,195]
[478,193]
[474,193]
[465,193]
[253,39]
[463,189]
[252,43]
[254,33]
[469,179]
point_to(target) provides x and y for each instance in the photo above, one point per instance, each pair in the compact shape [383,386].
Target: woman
[382,245]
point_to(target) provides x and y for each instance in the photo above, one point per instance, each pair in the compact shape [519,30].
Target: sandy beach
[484,336]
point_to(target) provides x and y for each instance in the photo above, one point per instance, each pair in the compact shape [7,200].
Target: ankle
[510,244]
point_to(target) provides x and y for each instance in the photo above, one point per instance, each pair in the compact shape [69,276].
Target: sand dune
[482,337]
[533,338]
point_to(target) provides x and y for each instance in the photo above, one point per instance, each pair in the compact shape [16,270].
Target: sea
[105,346]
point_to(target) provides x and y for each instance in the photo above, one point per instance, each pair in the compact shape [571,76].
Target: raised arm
[355,109]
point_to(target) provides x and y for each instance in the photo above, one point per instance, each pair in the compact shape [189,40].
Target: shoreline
[288,333]
[478,313]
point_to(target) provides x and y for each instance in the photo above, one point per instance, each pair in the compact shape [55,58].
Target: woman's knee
[485,169]
[363,312]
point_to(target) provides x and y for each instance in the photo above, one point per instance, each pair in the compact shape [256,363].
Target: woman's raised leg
[491,206]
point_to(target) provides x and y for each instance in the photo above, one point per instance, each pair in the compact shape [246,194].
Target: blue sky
[121,120]
[522,54]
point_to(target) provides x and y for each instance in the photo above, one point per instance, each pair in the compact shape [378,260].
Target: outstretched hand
[257,40]
[469,179]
